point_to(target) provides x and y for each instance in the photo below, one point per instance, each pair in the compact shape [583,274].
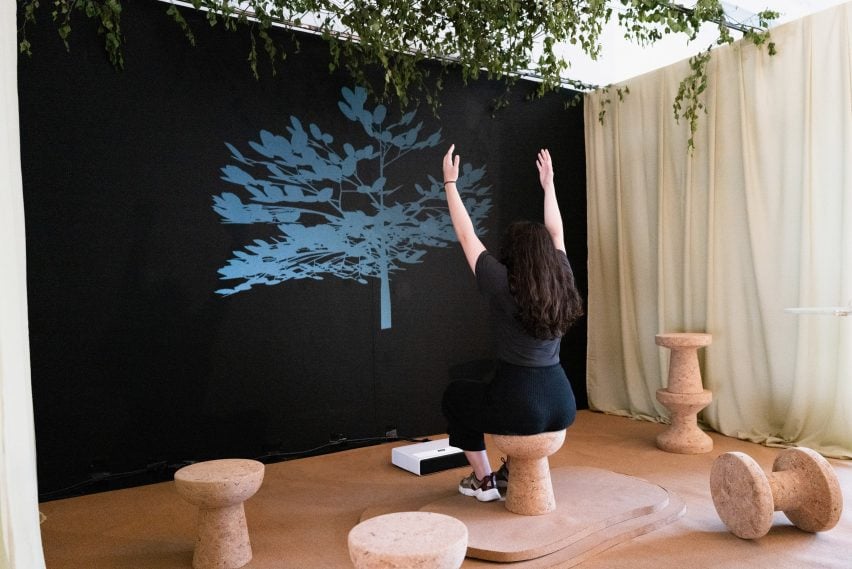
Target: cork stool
[404,540]
[530,491]
[684,396]
[219,488]
[802,484]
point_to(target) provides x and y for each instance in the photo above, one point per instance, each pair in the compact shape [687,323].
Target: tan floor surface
[302,514]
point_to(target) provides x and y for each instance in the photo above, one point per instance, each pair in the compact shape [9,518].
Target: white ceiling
[620,60]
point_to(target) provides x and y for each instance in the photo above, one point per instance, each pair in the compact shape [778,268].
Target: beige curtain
[756,220]
[20,547]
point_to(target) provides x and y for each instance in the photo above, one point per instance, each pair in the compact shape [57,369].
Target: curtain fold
[20,547]
[755,220]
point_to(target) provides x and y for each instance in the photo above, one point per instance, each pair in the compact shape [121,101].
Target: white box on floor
[428,457]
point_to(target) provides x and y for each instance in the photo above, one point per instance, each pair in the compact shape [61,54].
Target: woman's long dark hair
[541,283]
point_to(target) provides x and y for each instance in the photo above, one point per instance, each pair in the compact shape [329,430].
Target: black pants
[518,401]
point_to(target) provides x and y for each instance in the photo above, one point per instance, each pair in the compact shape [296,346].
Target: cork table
[531,491]
[802,484]
[408,540]
[219,488]
[684,396]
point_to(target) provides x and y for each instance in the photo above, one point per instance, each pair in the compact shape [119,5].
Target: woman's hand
[451,166]
[545,169]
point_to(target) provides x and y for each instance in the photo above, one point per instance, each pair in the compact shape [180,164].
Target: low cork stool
[684,396]
[530,491]
[219,488]
[802,484]
[408,540]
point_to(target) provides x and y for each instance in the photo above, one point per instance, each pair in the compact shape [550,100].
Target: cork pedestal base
[598,510]
[684,396]
[531,491]
[219,488]
[408,540]
[802,484]
[684,436]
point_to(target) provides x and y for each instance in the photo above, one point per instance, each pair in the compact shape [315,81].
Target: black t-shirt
[514,344]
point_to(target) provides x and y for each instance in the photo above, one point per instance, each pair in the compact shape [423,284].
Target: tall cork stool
[802,484]
[684,396]
[219,488]
[405,540]
[530,491]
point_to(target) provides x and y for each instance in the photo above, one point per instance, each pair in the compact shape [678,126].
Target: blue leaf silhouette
[379,114]
[236,175]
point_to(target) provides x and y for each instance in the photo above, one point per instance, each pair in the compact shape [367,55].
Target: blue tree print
[335,210]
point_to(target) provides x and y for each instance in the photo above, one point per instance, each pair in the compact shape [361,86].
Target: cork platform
[596,510]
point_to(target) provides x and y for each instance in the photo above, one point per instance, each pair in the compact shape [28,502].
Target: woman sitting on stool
[533,302]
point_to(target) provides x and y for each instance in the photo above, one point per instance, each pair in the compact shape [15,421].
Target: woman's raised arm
[552,216]
[462,224]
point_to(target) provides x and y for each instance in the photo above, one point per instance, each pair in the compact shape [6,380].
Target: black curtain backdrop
[137,364]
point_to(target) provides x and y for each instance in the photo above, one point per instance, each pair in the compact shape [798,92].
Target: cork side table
[802,484]
[219,488]
[530,490]
[407,540]
[684,395]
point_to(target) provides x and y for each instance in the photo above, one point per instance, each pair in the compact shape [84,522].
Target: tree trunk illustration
[384,295]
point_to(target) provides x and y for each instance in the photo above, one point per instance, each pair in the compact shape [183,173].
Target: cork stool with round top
[219,488]
[684,396]
[408,540]
[802,484]
[530,491]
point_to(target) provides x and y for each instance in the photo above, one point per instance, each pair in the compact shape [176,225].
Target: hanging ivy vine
[497,38]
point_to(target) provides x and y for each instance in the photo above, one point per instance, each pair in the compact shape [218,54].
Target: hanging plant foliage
[505,40]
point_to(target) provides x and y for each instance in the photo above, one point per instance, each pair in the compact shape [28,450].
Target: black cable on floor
[165,468]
